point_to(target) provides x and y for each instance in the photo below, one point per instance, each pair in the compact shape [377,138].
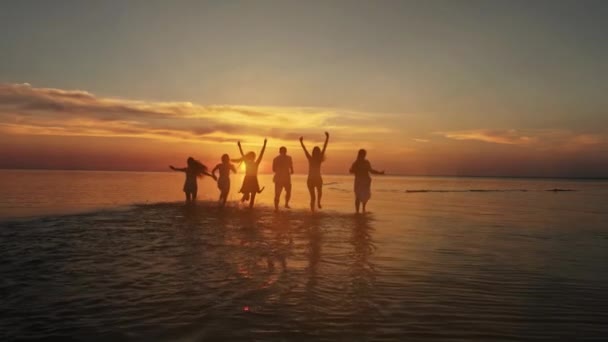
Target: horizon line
[334,174]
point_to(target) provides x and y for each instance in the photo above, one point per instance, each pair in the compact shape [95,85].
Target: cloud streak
[547,139]
[25,109]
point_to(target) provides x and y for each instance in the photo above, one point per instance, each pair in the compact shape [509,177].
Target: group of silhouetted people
[282,166]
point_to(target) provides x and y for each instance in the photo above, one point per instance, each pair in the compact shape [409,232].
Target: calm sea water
[116,255]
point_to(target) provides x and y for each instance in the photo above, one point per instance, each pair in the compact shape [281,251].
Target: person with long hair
[314,180]
[194,169]
[223,182]
[362,168]
[250,186]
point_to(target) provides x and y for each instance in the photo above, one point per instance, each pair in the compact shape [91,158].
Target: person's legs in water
[287,195]
[364,204]
[357,204]
[223,197]
[319,194]
[311,190]
[252,201]
[187,197]
[194,195]
[278,188]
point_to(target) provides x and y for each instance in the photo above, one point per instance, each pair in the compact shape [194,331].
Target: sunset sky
[488,88]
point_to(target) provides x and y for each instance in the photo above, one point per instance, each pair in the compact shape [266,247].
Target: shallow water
[435,259]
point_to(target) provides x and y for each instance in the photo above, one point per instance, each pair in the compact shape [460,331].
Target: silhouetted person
[250,185]
[282,166]
[194,169]
[315,181]
[223,182]
[362,168]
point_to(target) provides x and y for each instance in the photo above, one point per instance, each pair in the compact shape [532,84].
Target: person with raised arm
[223,182]
[362,168]
[282,166]
[193,170]
[250,185]
[314,180]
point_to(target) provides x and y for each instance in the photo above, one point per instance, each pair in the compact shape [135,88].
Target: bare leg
[187,197]
[319,194]
[311,190]
[252,201]
[287,195]
[194,196]
[364,204]
[357,204]
[223,198]
[277,195]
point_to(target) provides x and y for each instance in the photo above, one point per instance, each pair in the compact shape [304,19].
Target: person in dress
[250,185]
[314,182]
[194,169]
[362,169]
[282,166]
[223,182]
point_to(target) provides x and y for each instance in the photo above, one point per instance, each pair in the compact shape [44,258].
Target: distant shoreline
[335,174]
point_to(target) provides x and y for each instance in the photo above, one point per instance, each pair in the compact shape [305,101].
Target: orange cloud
[47,111]
[543,139]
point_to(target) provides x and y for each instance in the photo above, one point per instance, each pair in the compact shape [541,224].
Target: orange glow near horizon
[54,128]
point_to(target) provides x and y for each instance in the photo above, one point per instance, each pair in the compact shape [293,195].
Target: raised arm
[304,148]
[262,152]
[178,169]
[240,148]
[325,144]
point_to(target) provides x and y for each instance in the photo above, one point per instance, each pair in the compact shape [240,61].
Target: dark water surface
[448,264]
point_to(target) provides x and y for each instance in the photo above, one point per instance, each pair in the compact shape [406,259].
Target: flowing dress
[363,181]
[250,182]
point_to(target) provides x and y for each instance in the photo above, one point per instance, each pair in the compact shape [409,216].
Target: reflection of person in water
[282,166]
[194,169]
[315,181]
[223,182]
[362,168]
[250,185]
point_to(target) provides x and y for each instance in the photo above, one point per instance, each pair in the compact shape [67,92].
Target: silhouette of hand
[327,134]
[214,177]
[171,167]
[238,143]
[265,140]
[301,139]
[382,172]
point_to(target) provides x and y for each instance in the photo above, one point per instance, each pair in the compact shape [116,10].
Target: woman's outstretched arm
[210,174]
[215,169]
[375,172]
[325,144]
[304,148]
[262,152]
[240,148]
[178,169]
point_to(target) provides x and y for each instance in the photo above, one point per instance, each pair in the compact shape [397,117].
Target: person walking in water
[315,181]
[223,182]
[194,169]
[250,185]
[282,166]
[362,168]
